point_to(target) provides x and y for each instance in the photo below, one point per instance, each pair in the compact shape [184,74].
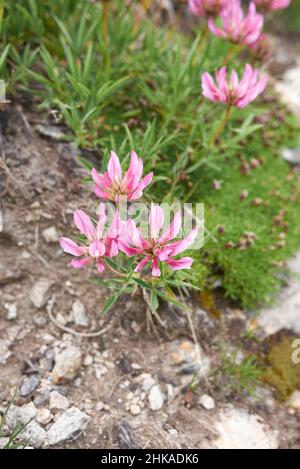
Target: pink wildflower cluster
[237,27]
[124,236]
[272,5]
[226,19]
[207,7]
[231,90]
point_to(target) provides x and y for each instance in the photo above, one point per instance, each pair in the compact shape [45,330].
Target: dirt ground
[41,186]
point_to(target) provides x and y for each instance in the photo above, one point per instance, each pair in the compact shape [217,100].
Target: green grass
[140,88]
[237,377]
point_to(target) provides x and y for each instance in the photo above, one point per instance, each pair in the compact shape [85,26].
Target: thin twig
[68,329]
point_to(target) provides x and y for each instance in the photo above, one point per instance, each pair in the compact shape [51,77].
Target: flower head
[233,91]
[207,7]
[113,186]
[97,245]
[237,27]
[271,5]
[262,49]
[159,248]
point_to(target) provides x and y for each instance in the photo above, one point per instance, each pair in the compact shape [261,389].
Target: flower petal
[179,264]
[156,220]
[84,224]
[155,269]
[71,247]
[80,263]
[114,167]
[142,264]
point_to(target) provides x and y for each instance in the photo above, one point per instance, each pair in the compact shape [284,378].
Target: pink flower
[159,248]
[262,49]
[113,186]
[97,246]
[237,27]
[271,5]
[207,7]
[232,91]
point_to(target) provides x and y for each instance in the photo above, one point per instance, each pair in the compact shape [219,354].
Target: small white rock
[43,416]
[68,426]
[67,364]
[148,382]
[88,360]
[4,352]
[29,410]
[156,398]
[61,319]
[38,293]
[12,312]
[135,409]
[58,401]
[50,234]
[207,402]
[294,401]
[78,314]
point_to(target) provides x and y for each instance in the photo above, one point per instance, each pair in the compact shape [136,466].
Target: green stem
[233,51]
[203,39]
[221,127]
[2,3]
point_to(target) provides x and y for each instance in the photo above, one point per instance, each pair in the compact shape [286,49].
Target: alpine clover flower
[272,5]
[262,49]
[112,185]
[159,248]
[232,91]
[237,27]
[207,7]
[96,246]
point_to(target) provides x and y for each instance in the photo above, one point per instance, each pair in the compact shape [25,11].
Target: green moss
[281,372]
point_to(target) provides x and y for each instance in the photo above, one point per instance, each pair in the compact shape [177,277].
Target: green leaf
[110,302]
[154,301]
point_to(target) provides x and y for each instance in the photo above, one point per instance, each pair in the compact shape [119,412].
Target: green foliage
[236,376]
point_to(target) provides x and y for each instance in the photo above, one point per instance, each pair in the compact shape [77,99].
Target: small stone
[43,416]
[48,338]
[78,314]
[156,398]
[207,402]
[50,234]
[61,319]
[4,352]
[32,432]
[291,155]
[49,356]
[238,429]
[188,358]
[58,401]
[3,442]
[12,312]
[68,426]
[173,431]
[29,409]
[40,320]
[88,360]
[38,293]
[29,385]
[148,382]
[135,409]
[294,401]
[42,398]
[67,364]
